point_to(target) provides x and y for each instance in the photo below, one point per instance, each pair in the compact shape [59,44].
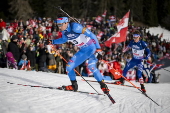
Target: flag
[89,27]
[104,14]
[112,18]
[120,36]
[161,35]
[100,34]
[98,19]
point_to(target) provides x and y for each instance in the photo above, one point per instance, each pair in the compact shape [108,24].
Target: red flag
[99,35]
[112,18]
[98,19]
[161,35]
[120,36]
[89,27]
[104,14]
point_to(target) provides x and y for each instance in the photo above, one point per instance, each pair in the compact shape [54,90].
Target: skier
[138,49]
[88,45]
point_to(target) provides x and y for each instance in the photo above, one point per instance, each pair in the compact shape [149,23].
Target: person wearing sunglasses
[88,45]
[138,48]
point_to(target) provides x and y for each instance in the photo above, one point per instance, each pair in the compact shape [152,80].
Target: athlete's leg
[128,66]
[92,66]
[139,72]
[77,59]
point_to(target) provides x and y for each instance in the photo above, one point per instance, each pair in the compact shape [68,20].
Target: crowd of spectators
[31,41]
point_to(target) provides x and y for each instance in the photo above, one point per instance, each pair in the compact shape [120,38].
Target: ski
[58,88]
[110,83]
[63,88]
[111,99]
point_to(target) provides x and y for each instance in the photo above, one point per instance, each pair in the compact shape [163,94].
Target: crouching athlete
[88,45]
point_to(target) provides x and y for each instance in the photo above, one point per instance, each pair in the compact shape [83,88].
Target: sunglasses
[135,36]
[60,25]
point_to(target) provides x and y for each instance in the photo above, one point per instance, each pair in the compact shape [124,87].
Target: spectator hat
[24,56]
[14,37]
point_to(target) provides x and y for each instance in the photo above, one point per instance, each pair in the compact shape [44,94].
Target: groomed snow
[24,99]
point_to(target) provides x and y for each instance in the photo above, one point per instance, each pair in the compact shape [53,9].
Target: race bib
[81,40]
[138,54]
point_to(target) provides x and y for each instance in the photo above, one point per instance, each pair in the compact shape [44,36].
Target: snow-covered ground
[24,99]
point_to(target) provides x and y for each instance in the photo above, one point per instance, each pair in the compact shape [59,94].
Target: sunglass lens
[59,25]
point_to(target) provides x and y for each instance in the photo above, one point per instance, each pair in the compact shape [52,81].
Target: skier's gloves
[99,51]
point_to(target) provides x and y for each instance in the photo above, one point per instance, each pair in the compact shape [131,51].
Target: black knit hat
[14,37]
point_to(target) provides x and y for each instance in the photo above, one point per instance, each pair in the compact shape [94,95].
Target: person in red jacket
[2,24]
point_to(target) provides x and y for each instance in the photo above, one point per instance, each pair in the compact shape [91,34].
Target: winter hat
[24,56]
[14,37]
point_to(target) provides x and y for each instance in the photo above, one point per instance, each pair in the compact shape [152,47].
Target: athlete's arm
[148,53]
[61,40]
[127,47]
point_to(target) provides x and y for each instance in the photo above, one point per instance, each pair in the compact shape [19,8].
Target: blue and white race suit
[138,49]
[87,42]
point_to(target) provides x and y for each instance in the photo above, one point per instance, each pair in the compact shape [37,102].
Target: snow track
[22,99]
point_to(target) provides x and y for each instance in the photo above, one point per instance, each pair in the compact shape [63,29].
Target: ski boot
[143,88]
[120,82]
[73,87]
[104,87]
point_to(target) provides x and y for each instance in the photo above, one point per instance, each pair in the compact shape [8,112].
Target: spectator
[51,53]
[24,64]
[11,62]
[2,24]
[2,54]
[14,49]
[31,55]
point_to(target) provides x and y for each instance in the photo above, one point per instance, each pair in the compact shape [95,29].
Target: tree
[21,9]
[150,13]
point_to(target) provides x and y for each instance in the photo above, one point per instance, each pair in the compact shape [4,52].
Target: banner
[98,19]
[122,28]
[104,14]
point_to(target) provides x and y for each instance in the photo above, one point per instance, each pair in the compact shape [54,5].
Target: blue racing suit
[87,42]
[138,49]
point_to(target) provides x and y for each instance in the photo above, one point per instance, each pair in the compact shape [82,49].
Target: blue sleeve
[130,44]
[148,52]
[78,28]
[61,40]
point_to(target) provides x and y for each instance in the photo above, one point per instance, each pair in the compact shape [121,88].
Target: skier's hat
[62,20]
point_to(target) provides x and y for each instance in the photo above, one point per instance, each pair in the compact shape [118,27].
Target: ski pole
[135,86]
[165,69]
[76,71]
[67,14]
